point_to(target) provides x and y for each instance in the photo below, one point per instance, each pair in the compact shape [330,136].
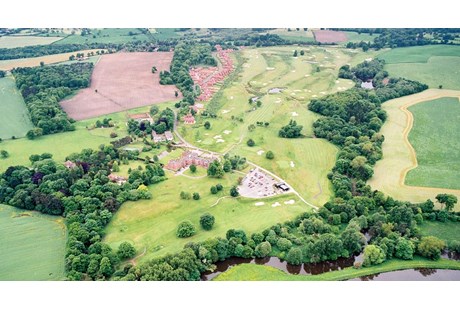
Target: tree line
[43,87]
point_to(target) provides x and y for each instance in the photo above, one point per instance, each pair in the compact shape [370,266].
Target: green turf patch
[32,245]
[434,137]
[418,54]
[14,117]
[447,231]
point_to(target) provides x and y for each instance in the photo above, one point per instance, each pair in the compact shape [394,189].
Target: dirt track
[123,81]
[399,156]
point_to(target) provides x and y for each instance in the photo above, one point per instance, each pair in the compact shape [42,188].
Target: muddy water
[418,274]
[306,269]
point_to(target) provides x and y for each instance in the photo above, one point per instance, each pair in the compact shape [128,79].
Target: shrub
[294,256]
[250,143]
[207,221]
[404,249]
[431,247]
[185,229]
[213,190]
[185,195]
[263,249]
[269,155]
[219,187]
[126,250]
[196,196]
[373,255]
[283,244]
[234,191]
[192,168]
[113,135]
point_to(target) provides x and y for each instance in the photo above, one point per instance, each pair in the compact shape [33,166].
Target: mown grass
[253,272]
[358,37]
[152,224]
[447,231]
[106,35]
[14,116]
[32,245]
[438,161]
[418,54]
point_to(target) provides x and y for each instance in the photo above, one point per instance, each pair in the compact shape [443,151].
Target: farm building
[282,186]
[117,179]
[70,164]
[167,136]
[367,85]
[190,158]
[141,117]
[189,119]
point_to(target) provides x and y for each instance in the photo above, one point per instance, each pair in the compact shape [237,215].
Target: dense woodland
[84,195]
[43,87]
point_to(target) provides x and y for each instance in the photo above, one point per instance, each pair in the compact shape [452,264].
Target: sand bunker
[292,164]
[294,114]
[260,152]
[217,137]
[289,202]
[276,204]
[225,111]
[220,140]
[226,132]
[260,203]
[269,68]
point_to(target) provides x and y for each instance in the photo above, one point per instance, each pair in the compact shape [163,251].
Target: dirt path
[218,200]
[399,156]
[133,260]
[320,191]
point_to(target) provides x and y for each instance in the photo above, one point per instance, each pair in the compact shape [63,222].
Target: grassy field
[438,161]
[309,76]
[253,272]
[433,65]
[447,231]
[358,37]
[151,224]
[32,245]
[14,117]
[35,61]
[398,154]
[107,35]
[20,41]
[294,35]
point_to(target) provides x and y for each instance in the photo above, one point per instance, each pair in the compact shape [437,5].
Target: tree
[192,168]
[185,195]
[263,249]
[115,167]
[219,187]
[207,125]
[196,196]
[215,169]
[294,256]
[185,229]
[353,240]
[251,127]
[213,190]
[447,200]
[250,142]
[4,154]
[404,249]
[269,155]
[373,255]
[42,63]
[283,244]
[302,52]
[154,110]
[154,69]
[234,191]
[126,250]
[2,73]
[176,93]
[291,130]
[34,133]
[207,221]
[295,53]
[431,247]
[105,267]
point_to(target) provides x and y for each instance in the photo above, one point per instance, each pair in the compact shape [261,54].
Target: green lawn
[253,272]
[151,224]
[21,41]
[435,139]
[14,117]
[358,37]
[433,65]
[418,54]
[106,35]
[447,231]
[32,245]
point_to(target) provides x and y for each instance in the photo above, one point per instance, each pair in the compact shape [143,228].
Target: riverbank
[253,272]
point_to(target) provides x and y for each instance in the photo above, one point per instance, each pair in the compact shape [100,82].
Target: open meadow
[14,117]
[433,65]
[21,41]
[32,245]
[398,154]
[151,224]
[437,158]
[112,35]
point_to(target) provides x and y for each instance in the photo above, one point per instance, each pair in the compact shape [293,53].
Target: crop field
[330,36]
[433,65]
[21,41]
[14,117]
[151,224]
[358,37]
[438,161]
[32,245]
[303,163]
[398,154]
[122,81]
[35,61]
